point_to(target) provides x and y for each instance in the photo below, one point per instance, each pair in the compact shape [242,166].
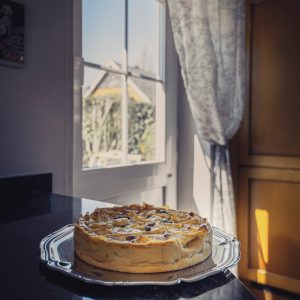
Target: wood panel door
[268,164]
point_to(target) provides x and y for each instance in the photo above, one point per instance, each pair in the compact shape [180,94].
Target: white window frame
[99,183]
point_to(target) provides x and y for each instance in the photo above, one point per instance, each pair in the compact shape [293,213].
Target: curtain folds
[209,38]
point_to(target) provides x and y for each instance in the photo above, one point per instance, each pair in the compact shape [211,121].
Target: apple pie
[142,238]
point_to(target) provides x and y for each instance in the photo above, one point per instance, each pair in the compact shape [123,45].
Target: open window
[122,92]
[120,122]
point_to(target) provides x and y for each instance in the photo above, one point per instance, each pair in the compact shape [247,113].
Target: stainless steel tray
[57,251]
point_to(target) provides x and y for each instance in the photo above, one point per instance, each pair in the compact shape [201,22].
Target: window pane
[102,122]
[141,114]
[91,79]
[143,36]
[103,25]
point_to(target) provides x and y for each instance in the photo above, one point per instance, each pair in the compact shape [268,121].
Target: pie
[142,238]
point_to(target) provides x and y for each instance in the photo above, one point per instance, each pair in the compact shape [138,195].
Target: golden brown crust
[142,239]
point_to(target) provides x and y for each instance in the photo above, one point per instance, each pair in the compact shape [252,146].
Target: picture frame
[12,33]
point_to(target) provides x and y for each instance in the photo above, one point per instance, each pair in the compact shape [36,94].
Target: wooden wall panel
[270,129]
[269,227]
[274,87]
[267,164]
[274,217]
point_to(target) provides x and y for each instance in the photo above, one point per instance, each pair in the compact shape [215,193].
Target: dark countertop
[22,276]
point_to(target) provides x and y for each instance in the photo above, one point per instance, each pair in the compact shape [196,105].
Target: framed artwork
[12,33]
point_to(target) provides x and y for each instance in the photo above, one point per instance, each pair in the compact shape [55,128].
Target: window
[123,101]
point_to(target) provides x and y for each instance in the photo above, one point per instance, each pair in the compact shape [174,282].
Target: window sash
[160,105]
[120,72]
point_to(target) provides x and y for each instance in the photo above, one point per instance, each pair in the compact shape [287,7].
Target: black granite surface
[22,276]
[18,196]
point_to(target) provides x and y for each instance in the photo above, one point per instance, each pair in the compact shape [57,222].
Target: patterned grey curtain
[209,38]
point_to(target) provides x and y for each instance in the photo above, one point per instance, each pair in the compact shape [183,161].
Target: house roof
[139,90]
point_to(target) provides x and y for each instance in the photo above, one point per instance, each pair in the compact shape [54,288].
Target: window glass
[120,119]
[141,120]
[91,79]
[143,36]
[103,27]
[102,123]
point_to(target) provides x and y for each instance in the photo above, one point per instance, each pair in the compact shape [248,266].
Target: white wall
[33,100]
[193,178]
[36,110]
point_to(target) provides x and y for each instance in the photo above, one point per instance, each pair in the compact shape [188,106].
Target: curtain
[209,37]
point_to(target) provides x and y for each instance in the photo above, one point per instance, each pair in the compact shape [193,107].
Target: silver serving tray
[57,251]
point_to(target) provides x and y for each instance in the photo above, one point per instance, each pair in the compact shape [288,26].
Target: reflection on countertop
[26,278]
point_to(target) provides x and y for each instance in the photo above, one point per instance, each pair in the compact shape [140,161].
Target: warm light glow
[262,221]
[261,276]
[267,295]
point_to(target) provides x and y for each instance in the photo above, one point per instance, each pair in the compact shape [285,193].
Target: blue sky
[103,32]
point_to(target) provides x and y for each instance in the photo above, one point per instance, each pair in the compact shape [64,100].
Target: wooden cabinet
[268,152]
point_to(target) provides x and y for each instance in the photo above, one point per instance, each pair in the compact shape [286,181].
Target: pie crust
[142,239]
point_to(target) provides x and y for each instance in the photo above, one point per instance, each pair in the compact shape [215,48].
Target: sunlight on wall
[88,205]
[267,295]
[262,221]
[201,180]
[261,276]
